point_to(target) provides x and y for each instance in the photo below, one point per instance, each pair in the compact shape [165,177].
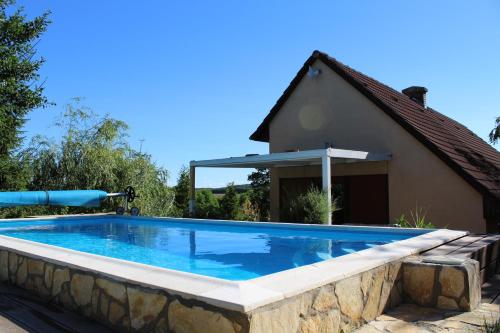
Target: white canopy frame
[323,157]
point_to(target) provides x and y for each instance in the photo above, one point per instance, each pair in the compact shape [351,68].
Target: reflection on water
[235,253]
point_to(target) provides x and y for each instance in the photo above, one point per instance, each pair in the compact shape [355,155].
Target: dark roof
[470,156]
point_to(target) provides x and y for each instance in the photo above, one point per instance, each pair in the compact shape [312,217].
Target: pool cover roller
[75,198]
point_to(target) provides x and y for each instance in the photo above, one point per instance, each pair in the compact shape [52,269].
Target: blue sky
[193,79]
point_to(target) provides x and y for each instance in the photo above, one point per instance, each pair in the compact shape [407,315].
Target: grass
[493,327]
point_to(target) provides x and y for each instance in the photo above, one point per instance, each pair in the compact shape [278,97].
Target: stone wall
[127,307]
[340,306]
[120,305]
[444,283]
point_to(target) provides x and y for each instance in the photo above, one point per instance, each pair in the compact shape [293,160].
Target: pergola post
[327,181]
[192,191]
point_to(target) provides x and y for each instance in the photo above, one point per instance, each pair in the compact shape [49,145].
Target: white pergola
[323,157]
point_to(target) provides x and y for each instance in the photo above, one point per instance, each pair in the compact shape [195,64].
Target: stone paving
[410,318]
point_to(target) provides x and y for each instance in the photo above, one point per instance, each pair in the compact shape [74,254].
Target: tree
[207,205]
[94,154]
[20,88]
[260,181]
[182,191]
[229,204]
[495,132]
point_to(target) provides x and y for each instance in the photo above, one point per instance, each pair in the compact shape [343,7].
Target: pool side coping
[242,296]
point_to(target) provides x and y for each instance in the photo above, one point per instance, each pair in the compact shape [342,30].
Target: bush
[229,204]
[207,205]
[310,207]
[417,220]
[248,210]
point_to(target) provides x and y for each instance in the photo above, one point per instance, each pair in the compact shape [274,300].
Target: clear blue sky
[195,78]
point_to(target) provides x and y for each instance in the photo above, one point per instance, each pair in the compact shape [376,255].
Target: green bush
[310,207]
[229,204]
[207,205]
[417,220]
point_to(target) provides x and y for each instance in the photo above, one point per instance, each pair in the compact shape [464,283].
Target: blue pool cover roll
[77,198]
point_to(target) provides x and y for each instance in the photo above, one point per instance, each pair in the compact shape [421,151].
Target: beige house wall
[328,110]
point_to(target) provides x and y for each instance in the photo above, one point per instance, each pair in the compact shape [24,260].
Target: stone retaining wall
[443,285]
[128,307]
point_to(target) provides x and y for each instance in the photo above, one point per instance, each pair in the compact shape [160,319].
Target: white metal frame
[323,157]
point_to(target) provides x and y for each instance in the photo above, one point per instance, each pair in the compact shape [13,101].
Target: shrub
[310,207]
[417,220]
[229,204]
[207,205]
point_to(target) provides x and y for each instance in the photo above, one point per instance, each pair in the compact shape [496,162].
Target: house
[437,165]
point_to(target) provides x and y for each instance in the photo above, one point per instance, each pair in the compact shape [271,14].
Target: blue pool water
[233,252]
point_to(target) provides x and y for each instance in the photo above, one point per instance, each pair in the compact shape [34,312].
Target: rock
[95,302]
[81,288]
[65,298]
[104,305]
[371,308]
[144,306]
[60,276]
[183,319]
[39,286]
[113,289]
[12,263]
[474,284]
[452,281]
[350,297]
[403,327]
[116,312]
[325,300]
[161,326]
[367,329]
[464,304]
[48,275]
[4,266]
[419,283]
[22,272]
[35,266]
[321,323]
[446,303]
[283,319]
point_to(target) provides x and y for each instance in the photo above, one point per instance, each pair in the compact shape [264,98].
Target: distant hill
[220,190]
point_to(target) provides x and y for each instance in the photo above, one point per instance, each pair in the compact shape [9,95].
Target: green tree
[229,203]
[260,181]
[20,88]
[207,205]
[495,132]
[182,191]
[94,154]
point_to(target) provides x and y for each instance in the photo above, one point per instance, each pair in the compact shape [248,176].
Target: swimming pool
[211,248]
[137,274]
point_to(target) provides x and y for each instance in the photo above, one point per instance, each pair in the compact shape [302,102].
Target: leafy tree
[260,181]
[495,132]
[93,154]
[229,203]
[207,205]
[20,87]
[247,210]
[182,190]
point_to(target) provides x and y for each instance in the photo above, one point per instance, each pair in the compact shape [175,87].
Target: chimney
[418,94]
